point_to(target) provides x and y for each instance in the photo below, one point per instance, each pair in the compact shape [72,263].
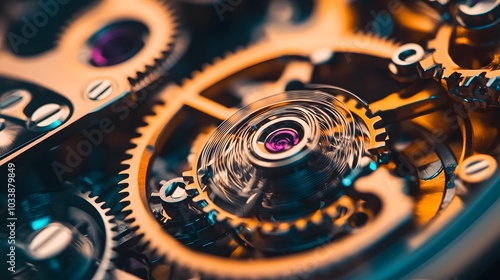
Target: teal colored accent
[40,223]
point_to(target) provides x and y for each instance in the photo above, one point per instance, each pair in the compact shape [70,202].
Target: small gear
[66,235]
[477,88]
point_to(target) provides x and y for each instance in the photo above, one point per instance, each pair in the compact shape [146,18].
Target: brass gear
[175,97]
[160,18]
[376,145]
[88,88]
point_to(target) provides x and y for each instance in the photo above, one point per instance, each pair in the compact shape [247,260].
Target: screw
[50,241]
[172,191]
[477,168]
[48,116]
[12,97]
[99,89]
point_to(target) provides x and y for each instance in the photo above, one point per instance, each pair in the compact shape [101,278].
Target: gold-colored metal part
[376,145]
[462,83]
[305,41]
[62,71]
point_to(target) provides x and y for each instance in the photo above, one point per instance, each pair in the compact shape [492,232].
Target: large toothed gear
[189,95]
[313,47]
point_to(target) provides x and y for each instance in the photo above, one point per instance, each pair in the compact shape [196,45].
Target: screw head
[99,89]
[48,117]
[50,241]
[11,98]
[477,168]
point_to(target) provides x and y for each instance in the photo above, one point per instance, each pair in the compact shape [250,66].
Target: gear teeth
[283,228]
[301,224]
[194,75]
[341,98]
[330,211]
[468,86]
[380,135]
[191,187]
[160,65]
[320,217]
[209,208]
[376,121]
[267,227]
[204,67]
[109,254]
[160,60]
[207,66]
[124,199]
[198,198]
[221,217]
[68,22]
[474,90]
[351,103]
[384,46]
[317,218]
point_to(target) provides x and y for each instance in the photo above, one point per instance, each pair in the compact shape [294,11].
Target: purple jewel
[116,44]
[281,140]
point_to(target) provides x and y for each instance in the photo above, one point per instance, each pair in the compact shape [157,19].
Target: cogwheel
[52,223]
[376,131]
[106,265]
[375,144]
[474,88]
[148,29]
[189,94]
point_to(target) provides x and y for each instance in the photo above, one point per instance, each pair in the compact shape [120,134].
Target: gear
[376,145]
[475,88]
[113,48]
[154,19]
[190,94]
[66,235]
